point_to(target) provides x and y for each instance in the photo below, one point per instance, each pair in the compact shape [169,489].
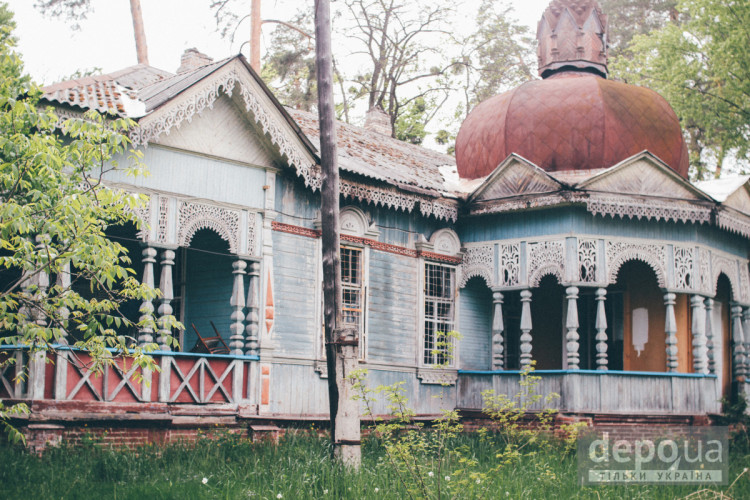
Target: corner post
[601,330]
[237,302]
[525,328]
[700,361]
[571,324]
[498,361]
[670,329]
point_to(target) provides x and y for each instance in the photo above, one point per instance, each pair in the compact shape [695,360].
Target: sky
[52,51]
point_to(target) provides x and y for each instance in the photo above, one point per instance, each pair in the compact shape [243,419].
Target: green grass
[297,468]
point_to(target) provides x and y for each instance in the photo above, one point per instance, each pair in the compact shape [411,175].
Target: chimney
[377,120]
[193,59]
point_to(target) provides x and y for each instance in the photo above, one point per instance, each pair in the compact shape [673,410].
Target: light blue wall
[474,324]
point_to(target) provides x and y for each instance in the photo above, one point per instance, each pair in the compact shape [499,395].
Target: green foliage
[410,124]
[59,273]
[629,18]
[701,65]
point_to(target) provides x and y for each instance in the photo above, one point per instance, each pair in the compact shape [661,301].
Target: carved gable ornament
[515,176]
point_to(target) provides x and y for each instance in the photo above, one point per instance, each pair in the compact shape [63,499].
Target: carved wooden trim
[292,229]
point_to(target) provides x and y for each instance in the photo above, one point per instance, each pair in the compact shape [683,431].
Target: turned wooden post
[601,330]
[252,330]
[167,294]
[146,333]
[738,340]
[670,329]
[700,363]
[498,361]
[709,303]
[525,328]
[237,301]
[571,324]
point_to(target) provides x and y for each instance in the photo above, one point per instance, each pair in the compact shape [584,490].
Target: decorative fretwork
[252,234]
[683,267]
[546,258]
[587,257]
[477,261]
[739,224]
[744,285]
[196,216]
[163,222]
[648,209]
[510,264]
[704,267]
[208,382]
[724,265]
[620,252]
[438,210]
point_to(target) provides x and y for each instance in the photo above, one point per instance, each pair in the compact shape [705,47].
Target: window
[439,304]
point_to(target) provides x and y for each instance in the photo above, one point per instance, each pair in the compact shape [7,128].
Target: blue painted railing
[587,372]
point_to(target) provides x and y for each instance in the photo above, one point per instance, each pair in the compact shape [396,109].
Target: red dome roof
[570,121]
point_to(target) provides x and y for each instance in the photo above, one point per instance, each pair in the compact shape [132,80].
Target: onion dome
[574,118]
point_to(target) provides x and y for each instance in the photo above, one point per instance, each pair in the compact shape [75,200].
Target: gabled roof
[516,176]
[721,189]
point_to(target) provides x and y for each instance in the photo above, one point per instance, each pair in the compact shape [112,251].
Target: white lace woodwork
[146,333]
[631,208]
[167,294]
[571,324]
[704,266]
[237,302]
[738,341]
[710,355]
[477,261]
[252,234]
[683,268]
[162,228]
[446,242]
[393,198]
[498,360]
[739,224]
[698,329]
[209,381]
[546,258]
[721,264]
[98,384]
[525,329]
[744,282]
[510,264]
[193,217]
[587,259]
[670,329]
[601,330]
[252,330]
[620,252]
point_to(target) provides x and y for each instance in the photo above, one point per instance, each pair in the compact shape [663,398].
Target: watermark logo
[654,454]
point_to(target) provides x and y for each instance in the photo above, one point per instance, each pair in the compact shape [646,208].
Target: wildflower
[430,473]
[279,496]
[447,478]
[325,492]
[507,493]
[377,489]
[478,481]
[205,480]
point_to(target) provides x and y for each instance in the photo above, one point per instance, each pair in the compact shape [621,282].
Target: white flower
[447,478]
[205,480]
[507,493]
[430,473]
[478,481]
[279,496]
[325,492]
[377,489]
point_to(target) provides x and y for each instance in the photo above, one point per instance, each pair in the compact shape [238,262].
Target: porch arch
[196,216]
[641,255]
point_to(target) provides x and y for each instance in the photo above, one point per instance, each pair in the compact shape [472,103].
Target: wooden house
[565,231]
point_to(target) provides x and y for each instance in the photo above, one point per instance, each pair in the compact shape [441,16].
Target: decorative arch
[353,221]
[446,242]
[477,261]
[546,270]
[723,265]
[193,217]
[546,257]
[618,253]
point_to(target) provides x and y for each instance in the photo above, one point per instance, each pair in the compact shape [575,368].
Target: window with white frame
[439,313]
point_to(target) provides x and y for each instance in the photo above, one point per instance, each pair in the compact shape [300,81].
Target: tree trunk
[340,344]
[255,24]
[140,34]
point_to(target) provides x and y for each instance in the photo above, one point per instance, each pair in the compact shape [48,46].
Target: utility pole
[341,344]
[255,24]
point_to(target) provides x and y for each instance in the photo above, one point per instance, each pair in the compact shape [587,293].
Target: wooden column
[711,361]
[41,280]
[252,330]
[670,329]
[167,294]
[525,328]
[571,324]
[146,333]
[61,364]
[746,335]
[237,301]
[738,342]
[601,330]
[700,362]
[498,362]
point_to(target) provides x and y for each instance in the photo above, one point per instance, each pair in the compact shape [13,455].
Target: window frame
[428,358]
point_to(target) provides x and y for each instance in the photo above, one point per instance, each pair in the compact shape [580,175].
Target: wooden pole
[140,33]
[255,24]
[329,209]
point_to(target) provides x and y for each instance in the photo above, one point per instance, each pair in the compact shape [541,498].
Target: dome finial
[572,36]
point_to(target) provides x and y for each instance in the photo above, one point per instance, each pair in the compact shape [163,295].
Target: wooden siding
[295,204]
[475,323]
[576,220]
[392,308]
[295,266]
[197,176]
[297,390]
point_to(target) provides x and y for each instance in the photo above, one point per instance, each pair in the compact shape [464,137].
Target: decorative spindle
[738,339]
[498,361]
[601,330]
[571,324]
[237,339]
[63,283]
[41,281]
[146,333]
[709,303]
[252,345]
[167,294]
[525,328]
[700,363]
[746,328]
[670,328]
